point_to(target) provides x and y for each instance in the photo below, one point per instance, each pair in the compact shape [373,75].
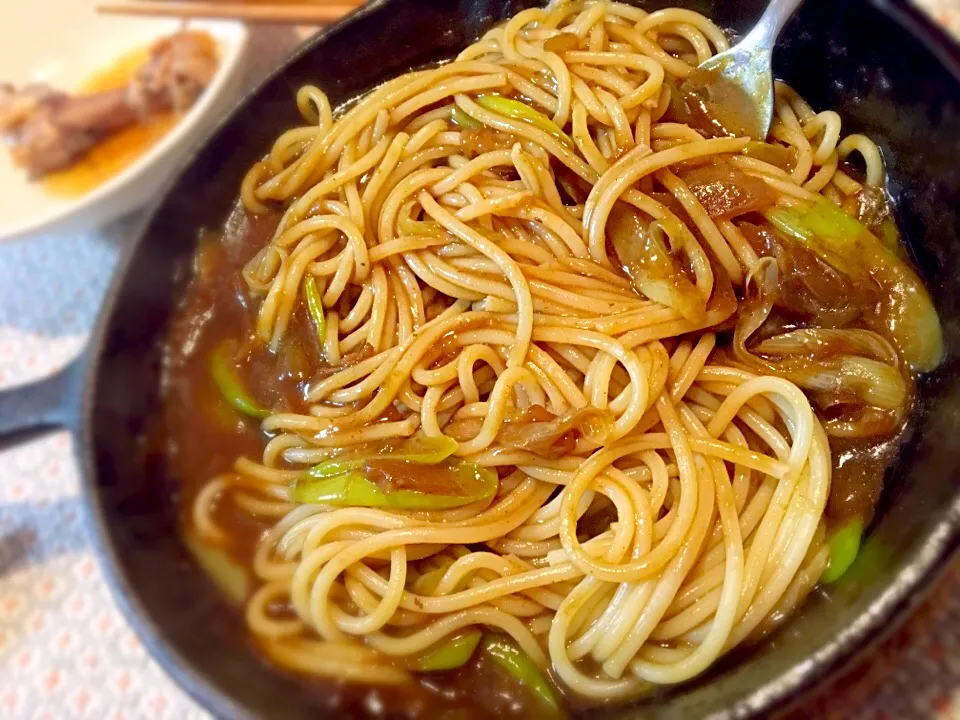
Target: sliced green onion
[418,449]
[844,546]
[224,374]
[521,111]
[216,409]
[352,481]
[352,489]
[225,572]
[315,308]
[459,117]
[450,654]
[427,228]
[821,219]
[828,221]
[427,583]
[505,654]
[789,223]
[890,237]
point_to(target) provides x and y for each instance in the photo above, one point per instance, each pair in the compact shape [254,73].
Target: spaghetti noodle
[534,251]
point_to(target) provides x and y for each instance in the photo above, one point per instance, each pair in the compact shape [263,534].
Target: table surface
[66,652]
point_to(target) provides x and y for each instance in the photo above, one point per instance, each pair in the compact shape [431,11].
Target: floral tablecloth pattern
[66,652]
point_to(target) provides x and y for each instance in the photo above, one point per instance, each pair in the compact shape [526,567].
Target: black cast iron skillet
[883,67]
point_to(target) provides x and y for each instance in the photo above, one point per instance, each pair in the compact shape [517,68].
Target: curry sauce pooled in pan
[515,388]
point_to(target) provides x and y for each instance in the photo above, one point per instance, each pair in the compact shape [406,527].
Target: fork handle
[764,33]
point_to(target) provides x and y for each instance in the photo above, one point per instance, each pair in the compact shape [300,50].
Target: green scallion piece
[521,111]
[223,371]
[844,545]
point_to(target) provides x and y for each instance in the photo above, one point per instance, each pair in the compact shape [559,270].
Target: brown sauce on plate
[114,153]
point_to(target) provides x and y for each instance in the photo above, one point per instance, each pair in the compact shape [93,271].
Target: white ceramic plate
[63,43]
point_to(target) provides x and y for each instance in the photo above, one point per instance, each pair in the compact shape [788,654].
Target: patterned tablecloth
[66,652]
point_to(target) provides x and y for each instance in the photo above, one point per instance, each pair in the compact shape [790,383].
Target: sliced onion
[780,156]
[561,42]
[826,342]
[726,192]
[875,383]
[863,421]
[650,266]
[823,361]
[542,436]
[906,314]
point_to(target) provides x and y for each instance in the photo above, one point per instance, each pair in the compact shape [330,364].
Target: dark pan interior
[848,56]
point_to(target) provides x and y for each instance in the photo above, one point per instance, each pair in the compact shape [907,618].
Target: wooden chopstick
[313,13]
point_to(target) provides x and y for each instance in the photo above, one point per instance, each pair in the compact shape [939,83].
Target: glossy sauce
[201,436]
[114,153]
[715,105]
[390,474]
[859,468]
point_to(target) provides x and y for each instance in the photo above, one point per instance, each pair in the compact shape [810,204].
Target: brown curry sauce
[200,435]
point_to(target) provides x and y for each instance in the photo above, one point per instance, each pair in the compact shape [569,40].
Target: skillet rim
[888,611]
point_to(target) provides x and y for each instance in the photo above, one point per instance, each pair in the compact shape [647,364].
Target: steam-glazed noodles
[643,336]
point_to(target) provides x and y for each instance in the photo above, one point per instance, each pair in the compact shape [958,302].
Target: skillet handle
[52,402]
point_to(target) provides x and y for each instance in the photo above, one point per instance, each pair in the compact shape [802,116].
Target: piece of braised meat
[179,68]
[46,129]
